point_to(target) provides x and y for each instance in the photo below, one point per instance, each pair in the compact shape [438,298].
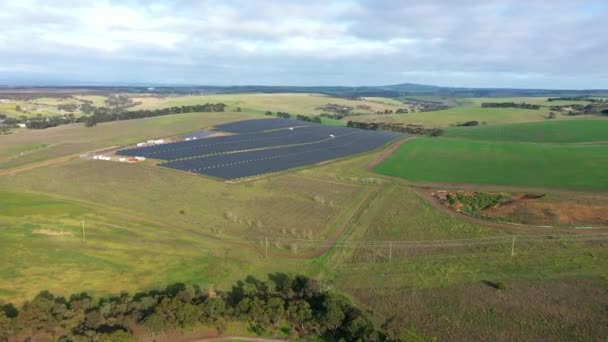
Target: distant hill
[396,90]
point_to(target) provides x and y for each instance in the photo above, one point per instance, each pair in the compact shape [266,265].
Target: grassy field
[447,117]
[305,104]
[41,248]
[36,145]
[567,131]
[147,227]
[469,109]
[450,160]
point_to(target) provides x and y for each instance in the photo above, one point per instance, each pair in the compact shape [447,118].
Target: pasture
[456,115]
[449,160]
[566,131]
[31,146]
[304,104]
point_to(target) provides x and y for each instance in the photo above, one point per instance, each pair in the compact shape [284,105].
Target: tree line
[296,305]
[510,105]
[396,127]
[285,115]
[102,114]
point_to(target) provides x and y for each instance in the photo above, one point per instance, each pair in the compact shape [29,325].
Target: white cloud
[469,42]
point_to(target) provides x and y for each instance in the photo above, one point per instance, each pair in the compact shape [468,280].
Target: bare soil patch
[49,232]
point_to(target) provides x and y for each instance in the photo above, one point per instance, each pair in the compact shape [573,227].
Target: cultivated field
[567,131]
[449,160]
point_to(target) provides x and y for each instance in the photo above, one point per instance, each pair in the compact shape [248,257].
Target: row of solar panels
[201,147]
[258,125]
[247,164]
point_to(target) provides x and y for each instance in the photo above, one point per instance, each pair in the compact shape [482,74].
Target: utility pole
[513,246]
[266,248]
[83,235]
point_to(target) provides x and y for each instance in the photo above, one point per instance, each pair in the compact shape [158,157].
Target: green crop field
[566,131]
[480,162]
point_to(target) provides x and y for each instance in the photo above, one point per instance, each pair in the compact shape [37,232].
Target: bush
[500,286]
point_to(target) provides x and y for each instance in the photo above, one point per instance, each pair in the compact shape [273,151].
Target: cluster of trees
[306,118]
[102,114]
[106,114]
[580,109]
[120,101]
[423,105]
[332,116]
[522,105]
[68,107]
[314,118]
[605,111]
[396,127]
[42,122]
[297,305]
[336,108]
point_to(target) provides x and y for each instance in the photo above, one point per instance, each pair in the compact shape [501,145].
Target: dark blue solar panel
[246,164]
[200,147]
[258,125]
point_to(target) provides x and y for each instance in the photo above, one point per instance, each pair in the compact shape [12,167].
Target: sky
[554,44]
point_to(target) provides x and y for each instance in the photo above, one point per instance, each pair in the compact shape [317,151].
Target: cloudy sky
[485,43]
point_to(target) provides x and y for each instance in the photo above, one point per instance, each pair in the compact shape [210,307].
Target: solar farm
[262,146]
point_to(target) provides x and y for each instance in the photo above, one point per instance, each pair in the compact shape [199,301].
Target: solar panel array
[200,147]
[267,145]
[258,125]
[247,164]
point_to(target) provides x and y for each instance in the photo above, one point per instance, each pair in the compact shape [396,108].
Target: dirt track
[48,162]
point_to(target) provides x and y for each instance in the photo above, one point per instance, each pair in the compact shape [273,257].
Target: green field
[567,131]
[450,160]
[147,226]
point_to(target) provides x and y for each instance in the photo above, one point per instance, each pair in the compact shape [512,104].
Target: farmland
[75,139]
[506,163]
[470,109]
[304,104]
[357,231]
[567,131]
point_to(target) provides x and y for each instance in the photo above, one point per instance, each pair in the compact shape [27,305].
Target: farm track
[386,153]
[48,162]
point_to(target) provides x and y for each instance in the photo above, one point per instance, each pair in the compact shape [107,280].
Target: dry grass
[306,104]
[36,145]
